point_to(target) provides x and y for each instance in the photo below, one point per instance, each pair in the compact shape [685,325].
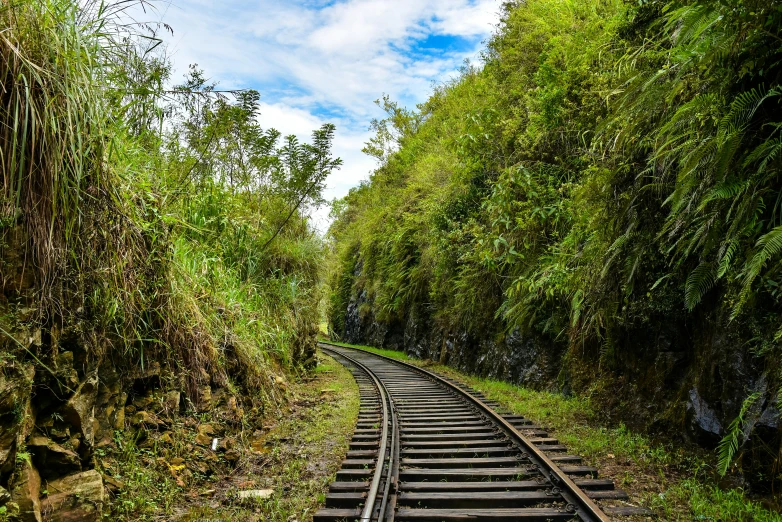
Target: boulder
[75,498]
[112,484]
[145,419]
[204,398]
[15,415]
[232,412]
[15,384]
[232,456]
[166,438]
[65,376]
[226,443]
[171,402]
[26,492]
[703,422]
[109,406]
[8,436]
[27,425]
[150,371]
[199,467]
[79,411]
[35,338]
[52,459]
[143,402]
[205,435]
[60,433]
[119,419]
[5,496]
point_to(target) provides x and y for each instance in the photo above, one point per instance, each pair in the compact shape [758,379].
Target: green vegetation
[154,239]
[681,483]
[308,447]
[612,170]
[677,484]
[141,222]
[607,183]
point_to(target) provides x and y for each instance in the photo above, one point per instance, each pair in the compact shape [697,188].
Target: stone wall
[55,414]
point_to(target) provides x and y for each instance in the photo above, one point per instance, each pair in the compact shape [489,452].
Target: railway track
[427,449]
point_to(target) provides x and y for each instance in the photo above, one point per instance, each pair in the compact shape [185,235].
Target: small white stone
[256,493]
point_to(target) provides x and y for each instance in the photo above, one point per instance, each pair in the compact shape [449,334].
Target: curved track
[428,449]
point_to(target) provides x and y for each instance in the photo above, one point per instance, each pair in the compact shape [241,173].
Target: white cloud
[478,19]
[289,120]
[314,60]
[346,54]
[361,27]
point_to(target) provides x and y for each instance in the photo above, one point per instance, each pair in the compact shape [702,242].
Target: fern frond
[729,445]
[726,190]
[727,252]
[690,115]
[700,281]
[723,191]
[615,250]
[769,246]
[689,23]
[660,281]
[742,109]
[729,147]
[701,235]
[765,153]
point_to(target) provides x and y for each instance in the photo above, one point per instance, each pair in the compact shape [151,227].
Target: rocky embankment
[55,421]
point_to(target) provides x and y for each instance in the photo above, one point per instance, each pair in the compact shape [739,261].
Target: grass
[678,484]
[147,489]
[120,247]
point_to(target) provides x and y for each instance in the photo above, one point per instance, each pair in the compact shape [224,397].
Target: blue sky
[317,61]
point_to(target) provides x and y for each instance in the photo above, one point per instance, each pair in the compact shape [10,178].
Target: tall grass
[90,235]
[52,137]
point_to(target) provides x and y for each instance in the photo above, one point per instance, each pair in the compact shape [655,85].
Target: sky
[319,61]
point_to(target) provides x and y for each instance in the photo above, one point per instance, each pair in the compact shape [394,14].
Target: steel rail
[369,506]
[393,467]
[585,508]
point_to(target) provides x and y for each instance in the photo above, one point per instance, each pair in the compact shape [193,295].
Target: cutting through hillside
[379,260]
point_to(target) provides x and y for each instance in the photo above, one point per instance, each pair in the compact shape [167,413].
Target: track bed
[428,449]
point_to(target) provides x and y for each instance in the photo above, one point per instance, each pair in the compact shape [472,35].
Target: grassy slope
[678,486]
[104,243]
